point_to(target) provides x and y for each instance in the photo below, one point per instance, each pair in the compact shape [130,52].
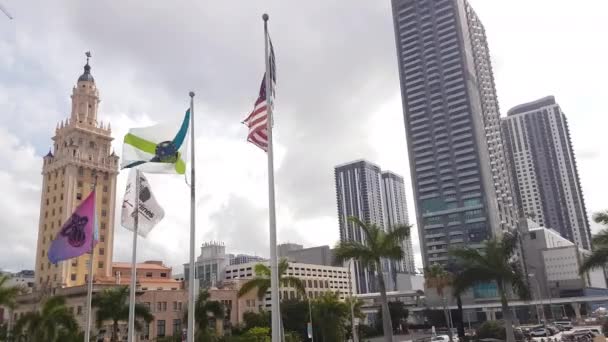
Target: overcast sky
[338,100]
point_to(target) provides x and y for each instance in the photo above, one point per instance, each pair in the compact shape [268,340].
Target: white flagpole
[131,328]
[274,276]
[87,332]
[191,282]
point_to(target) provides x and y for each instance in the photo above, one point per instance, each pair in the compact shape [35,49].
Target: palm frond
[435,276]
[214,308]
[354,250]
[601,238]
[466,256]
[369,230]
[392,253]
[509,243]
[597,259]
[518,282]
[283,266]
[254,283]
[295,282]
[462,281]
[398,233]
[262,270]
[142,311]
[601,217]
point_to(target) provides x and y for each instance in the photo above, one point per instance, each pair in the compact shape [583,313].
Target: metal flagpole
[191,289]
[87,332]
[131,329]
[274,276]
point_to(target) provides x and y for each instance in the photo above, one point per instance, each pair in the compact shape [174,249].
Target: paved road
[398,338]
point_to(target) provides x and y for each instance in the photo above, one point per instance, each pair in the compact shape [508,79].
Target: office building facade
[462,188]
[544,165]
[317,279]
[319,255]
[210,264]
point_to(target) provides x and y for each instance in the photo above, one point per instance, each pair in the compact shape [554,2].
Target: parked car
[567,325]
[444,338]
[541,332]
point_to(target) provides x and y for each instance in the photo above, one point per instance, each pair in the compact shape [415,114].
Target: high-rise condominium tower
[544,165]
[460,179]
[395,209]
[81,153]
[359,194]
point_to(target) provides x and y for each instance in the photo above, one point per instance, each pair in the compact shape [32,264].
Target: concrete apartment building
[395,209]
[317,279]
[462,188]
[81,153]
[553,263]
[319,255]
[359,194]
[210,264]
[544,165]
[364,191]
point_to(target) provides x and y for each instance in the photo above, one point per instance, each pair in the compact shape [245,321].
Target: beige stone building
[167,306]
[81,152]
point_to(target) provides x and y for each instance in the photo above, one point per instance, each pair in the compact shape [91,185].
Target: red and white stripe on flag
[257,121]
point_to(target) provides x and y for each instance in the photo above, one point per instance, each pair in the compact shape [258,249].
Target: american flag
[257,120]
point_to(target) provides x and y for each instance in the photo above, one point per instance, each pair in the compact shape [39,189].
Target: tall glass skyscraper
[460,178]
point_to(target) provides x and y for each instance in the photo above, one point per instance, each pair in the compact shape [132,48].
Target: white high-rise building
[395,209]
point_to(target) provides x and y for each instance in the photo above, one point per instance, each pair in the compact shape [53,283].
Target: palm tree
[203,310]
[494,263]
[51,324]
[436,277]
[112,304]
[378,245]
[599,256]
[262,280]
[8,294]
[459,286]
[331,316]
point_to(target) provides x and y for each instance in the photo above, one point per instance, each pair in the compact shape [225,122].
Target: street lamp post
[540,298]
[352,304]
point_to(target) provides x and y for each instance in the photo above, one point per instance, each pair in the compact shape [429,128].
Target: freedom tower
[80,154]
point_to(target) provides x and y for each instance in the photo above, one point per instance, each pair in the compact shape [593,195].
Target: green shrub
[492,329]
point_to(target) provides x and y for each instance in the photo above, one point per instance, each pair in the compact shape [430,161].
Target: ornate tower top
[86,76]
[85,99]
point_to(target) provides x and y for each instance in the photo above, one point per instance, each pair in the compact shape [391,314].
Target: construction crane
[5,12]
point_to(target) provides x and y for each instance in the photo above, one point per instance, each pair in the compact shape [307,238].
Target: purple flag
[77,236]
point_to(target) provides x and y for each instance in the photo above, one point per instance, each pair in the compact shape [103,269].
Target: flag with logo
[157,149]
[78,234]
[150,212]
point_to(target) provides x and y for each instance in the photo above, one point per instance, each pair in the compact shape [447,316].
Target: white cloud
[338,99]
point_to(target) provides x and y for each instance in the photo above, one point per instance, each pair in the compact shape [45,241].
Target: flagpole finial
[265,17]
[191,94]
